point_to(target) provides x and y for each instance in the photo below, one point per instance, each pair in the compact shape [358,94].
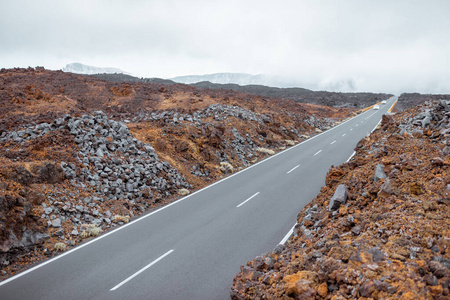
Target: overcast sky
[376,45]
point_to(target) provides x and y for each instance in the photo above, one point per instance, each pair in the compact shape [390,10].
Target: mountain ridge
[79,68]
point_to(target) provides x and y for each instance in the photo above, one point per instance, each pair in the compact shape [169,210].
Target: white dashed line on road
[317,152]
[256,194]
[293,169]
[141,270]
[333,142]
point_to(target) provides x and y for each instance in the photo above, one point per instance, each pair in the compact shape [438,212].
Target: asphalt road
[192,248]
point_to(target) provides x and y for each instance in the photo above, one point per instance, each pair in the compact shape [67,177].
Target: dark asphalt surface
[202,240]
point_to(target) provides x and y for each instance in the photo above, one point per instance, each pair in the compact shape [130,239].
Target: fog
[378,46]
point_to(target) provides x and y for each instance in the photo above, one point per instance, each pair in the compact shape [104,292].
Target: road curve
[192,248]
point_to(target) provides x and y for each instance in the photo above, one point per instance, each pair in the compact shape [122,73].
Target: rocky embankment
[380,227]
[410,100]
[81,155]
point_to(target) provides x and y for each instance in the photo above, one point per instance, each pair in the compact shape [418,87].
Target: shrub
[59,246]
[183,192]
[119,218]
[304,136]
[88,230]
[265,150]
[226,167]
[290,142]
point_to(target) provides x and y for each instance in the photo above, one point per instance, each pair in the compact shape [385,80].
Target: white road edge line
[288,235]
[353,154]
[293,169]
[333,142]
[256,194]
[375,127]
[317,152]
[167,206]
[141,270]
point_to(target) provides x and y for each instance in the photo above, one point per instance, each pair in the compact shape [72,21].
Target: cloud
[367,45]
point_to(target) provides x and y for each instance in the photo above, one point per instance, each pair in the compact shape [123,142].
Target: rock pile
[114,162]
[217,111]
[390,239]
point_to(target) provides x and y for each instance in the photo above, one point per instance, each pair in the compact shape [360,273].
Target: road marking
[317,152]
[293,169]
[357,125]
[371,115]
[141,270]
[375,127]
[143,217]
[333,142]
[248,199]
[288,235]
[353,154]
[351,129]
[344,134]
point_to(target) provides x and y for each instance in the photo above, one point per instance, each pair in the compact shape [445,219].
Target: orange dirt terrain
[81,155]
[380,227]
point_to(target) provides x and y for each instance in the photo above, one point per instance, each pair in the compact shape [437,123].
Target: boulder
[339,197]
[379,173]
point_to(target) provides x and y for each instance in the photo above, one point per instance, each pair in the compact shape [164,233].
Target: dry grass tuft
[119,218]
[290,142]
[226,167]
[183,192]
[59,246]
[88,230]
[265,150]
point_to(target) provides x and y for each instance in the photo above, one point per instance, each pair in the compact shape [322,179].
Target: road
[192,248]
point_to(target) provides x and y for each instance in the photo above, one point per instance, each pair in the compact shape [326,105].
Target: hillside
[380,227]
[83,155]
[299,95]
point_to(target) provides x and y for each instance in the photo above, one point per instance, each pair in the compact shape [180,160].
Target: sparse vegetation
[183,192]
[59,246]
[226,167]
[290,142]
[88,230]
[265,150]
[119,218]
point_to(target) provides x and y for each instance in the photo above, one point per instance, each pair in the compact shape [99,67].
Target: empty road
[192,248]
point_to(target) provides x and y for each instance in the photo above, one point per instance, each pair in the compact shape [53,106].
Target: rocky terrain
[299,95]
[81,155]
[410,100]
[380,227]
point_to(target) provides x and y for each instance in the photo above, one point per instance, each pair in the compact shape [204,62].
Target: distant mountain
[226,78]
[79,68]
